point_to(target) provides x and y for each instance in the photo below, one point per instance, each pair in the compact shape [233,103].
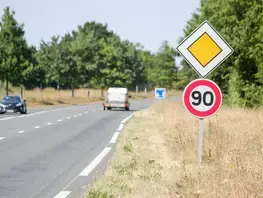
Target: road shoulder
[156,155]
[142,164]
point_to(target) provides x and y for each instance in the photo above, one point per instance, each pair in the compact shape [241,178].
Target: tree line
[91,56]
[241,24]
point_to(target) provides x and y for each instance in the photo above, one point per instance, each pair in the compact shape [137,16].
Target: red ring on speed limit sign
[216,94]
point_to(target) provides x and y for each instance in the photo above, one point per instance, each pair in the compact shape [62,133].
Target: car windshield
[11,99]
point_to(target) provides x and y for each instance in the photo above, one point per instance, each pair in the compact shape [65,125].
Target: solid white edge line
[6,118]
[62,194]
[45,111]
[114,137]
[59,120]
[37,127]
[95,162]
[1,138]
[21,132]
[120,127]
[126,119]
[49,123]
[40,112]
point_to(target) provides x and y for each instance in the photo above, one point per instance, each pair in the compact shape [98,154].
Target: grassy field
[49,96]
[156,155]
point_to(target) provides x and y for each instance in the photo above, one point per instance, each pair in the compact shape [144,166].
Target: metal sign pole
[200,139]
[199,46]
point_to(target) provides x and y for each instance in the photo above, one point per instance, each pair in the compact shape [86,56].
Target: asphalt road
[42,153]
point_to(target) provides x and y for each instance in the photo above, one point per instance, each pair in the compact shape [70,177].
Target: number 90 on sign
[202,98]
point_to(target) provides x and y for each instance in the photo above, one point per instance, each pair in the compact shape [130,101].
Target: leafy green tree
[15,55]
[71,71]
[27,76]
[50,63]
[240,23]
[163,70]
[91,55]
[83,48]
[110,61]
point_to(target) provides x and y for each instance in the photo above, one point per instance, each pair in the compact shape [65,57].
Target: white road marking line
[37,127]
[126,119]
[6,118]
[59,120]
[114,137]
[69,183]
[80,114]
[62,194]
[95,162]
[49,123]
[21,132]
[68,117]
[46,111]
[120,127]
[75,116]
[94,110]
[1,138]
[40,112]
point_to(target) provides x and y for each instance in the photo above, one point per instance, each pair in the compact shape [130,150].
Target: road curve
[41,153]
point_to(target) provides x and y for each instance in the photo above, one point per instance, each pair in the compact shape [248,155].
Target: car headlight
[19,104]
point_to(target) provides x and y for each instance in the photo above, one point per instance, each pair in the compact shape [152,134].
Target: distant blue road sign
[160,93]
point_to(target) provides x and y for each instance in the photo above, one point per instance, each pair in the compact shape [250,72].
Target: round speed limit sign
[202,98]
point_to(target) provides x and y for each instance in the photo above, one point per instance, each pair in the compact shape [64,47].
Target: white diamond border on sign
[205,27]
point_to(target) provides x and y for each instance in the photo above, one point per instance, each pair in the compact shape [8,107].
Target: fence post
[22,92]
[88,90]
[57,91]
[41,92]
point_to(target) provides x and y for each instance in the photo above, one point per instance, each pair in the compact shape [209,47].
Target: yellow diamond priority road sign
[204,49]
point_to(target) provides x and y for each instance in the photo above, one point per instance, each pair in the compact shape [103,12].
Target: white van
[117,97]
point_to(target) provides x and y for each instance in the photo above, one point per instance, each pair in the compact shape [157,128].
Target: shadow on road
[131,110]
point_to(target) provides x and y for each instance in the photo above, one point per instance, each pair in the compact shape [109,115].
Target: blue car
[2,109]
[13,104]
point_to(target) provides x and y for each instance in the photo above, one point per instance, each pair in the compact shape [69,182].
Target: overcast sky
[149,22]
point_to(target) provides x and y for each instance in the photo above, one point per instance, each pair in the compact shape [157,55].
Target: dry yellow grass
[156,155]
[49,96]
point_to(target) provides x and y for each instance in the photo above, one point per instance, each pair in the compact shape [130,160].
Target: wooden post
[41,92]
[57,91]
[7,85]
[22,91]
[89,90]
